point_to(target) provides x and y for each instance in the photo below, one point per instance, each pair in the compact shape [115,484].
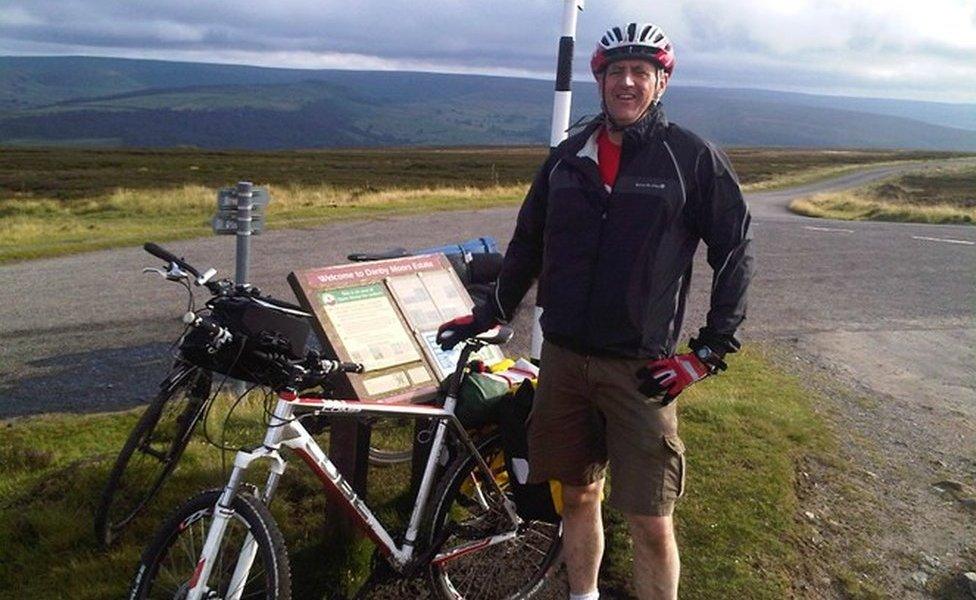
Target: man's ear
[662,83]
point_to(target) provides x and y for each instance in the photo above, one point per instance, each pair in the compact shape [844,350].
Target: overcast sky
[882,48]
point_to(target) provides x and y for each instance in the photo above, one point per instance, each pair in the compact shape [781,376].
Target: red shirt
[608,155]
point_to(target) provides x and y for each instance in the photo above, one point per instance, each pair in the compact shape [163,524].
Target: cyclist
[609,227]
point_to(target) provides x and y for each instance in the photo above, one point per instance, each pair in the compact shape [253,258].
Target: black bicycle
[235,325]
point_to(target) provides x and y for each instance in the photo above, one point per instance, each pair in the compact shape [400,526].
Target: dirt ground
[892,514]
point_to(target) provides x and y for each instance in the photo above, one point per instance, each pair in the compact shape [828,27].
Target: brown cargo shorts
[588,413]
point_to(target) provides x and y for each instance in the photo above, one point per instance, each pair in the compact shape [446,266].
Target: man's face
[629,87]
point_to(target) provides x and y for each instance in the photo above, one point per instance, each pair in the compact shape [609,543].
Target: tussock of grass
[853,206]
[744,430]
[938,195]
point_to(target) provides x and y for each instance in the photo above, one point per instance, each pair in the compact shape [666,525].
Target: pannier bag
[259,326]
[533,501]
[479,398]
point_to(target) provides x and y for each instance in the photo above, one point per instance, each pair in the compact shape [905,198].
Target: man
[610,227]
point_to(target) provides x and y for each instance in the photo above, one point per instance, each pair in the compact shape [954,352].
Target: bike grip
[346,367]
[160,252]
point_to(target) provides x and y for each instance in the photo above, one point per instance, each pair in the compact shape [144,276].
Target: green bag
[478,400]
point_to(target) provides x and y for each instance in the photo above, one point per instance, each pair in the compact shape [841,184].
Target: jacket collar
[651,125]
[640,133]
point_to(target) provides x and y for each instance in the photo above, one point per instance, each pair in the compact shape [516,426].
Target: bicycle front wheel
[518,568]
[170,562]
[152,450]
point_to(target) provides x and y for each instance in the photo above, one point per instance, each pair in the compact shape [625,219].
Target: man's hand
[671,376]
[457,330]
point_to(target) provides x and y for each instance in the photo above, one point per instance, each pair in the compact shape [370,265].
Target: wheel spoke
[173,557]
[504,570]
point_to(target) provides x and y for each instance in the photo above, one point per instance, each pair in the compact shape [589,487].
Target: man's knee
[655,534]
[577,497]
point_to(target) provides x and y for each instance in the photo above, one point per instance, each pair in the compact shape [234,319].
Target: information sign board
[385,314]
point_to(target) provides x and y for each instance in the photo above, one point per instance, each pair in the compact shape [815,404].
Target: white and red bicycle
[464,531]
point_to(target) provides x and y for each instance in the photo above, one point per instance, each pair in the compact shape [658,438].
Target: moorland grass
[745,431]
[32,228]
[65,173]
[64,201]
[940,195]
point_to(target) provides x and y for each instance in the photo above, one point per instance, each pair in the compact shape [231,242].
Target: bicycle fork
[224,512]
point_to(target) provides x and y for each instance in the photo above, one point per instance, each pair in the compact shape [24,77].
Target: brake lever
[174,274]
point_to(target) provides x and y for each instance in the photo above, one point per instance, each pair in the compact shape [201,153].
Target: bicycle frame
[284,430]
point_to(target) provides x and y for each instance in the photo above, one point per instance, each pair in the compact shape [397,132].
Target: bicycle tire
[384,452]
[380,457]
[170,560]
[152,450]
[518,568]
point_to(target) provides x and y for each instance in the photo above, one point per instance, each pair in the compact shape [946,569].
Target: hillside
[120,102]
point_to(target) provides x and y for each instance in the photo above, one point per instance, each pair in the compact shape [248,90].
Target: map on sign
[416,302]
[428,299]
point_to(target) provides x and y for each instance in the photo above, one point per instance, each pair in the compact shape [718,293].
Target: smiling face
[629,88]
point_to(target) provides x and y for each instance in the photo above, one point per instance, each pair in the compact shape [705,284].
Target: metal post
[244,208]
[561,105]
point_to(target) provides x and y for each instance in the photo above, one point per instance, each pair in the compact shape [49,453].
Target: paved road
[90,332]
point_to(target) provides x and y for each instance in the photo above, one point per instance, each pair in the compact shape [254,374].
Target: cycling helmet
[633,40]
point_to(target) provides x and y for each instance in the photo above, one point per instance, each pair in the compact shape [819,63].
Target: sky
[877,48]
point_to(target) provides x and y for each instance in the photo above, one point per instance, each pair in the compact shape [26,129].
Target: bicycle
[156,443]
[462,533]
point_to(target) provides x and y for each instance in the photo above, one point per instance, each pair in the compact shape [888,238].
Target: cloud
[879,47]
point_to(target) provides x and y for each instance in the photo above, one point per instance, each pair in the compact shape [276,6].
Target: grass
[64,201]
[745,431]
[35,228]
[939,195]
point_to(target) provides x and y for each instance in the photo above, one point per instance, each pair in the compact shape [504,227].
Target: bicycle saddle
[371,256]
[501,335]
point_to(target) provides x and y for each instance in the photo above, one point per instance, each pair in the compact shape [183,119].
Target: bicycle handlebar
[307,372]
[160,252]
[312,370]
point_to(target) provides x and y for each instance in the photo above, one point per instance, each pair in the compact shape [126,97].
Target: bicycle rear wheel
[391,442]
[517,568]
[152,450]
[170,561]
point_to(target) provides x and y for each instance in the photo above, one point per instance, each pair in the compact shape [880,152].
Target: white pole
[561,105]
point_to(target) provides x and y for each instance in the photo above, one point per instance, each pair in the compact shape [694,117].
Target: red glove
[457,330]
[671,376]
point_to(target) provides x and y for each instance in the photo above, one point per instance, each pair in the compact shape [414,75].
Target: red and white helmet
[633,40]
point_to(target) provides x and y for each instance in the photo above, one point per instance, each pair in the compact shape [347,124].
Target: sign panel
[368,324]
[227,198]
[226,223]
[385,314]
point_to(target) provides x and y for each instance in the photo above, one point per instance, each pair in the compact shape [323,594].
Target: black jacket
[614,267]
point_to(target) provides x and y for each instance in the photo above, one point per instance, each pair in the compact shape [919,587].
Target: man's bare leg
[582,535]
[656,563]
